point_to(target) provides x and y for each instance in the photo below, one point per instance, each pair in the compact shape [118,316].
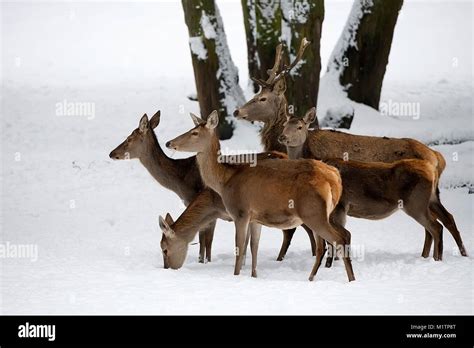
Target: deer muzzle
[282,139]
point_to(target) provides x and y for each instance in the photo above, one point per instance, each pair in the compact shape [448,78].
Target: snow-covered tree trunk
[361,54]
[303,18]
[216,77]
[262,21]
[268,23]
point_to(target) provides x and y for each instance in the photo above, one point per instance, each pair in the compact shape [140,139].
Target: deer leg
[428,221]
[241,228]
[330,257]
[209,236]
[346,240]
[202,245]
[255,230]
[247,239]
[339,237]
[448,221]
[287,237]
[338,218]
[427,246]
[320,251]
[311,239]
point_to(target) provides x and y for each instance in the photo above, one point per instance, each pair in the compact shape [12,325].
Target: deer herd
[307,177]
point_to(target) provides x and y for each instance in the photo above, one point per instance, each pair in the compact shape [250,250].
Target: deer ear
[143,124]
[280,86]
[197,120]
[212,120]
[155,120]
[169,220]
[310,116]
[167,231]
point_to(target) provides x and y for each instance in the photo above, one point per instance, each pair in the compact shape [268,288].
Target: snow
[95,221]
[197,47]
[207,27]
[228,74]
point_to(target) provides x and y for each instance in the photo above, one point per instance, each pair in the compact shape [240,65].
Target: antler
[286,69]
[273,72]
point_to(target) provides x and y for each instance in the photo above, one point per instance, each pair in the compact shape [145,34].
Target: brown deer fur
[264,193]
[375,190]
[270,106]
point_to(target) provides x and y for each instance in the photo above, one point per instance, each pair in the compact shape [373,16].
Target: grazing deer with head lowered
[282,194]
[178,175]
[270,107]
[177,235]
[375,190]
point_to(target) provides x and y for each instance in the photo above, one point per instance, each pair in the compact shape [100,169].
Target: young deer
[270,107]
[375,190]
[283,193]
[178,175]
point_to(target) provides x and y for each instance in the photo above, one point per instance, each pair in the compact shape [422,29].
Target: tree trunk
[361,55]
[250,24]
[215,74]
[303,19]
[262,21]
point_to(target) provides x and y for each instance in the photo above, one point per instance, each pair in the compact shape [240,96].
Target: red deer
[375,190]
[282,193]
[270,107]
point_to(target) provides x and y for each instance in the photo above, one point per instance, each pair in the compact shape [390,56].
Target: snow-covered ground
[95,222]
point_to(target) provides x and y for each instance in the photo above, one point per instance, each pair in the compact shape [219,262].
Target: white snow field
[95,221]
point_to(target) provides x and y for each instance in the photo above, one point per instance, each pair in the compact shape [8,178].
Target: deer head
[197,138]
[267,102]
[135,146]
[173,247]
[295,130]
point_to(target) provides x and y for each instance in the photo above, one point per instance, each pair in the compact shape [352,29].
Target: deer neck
[213,173]
[162,168]
[295,152]
[199,213]
[301,151]
[273,128]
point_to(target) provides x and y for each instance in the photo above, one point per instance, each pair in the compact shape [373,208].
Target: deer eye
[262,99]
[300,127]
[194,133]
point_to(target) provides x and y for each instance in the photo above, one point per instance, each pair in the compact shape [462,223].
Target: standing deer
[270,107]
[282,193]
[178,175]
[375,190]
